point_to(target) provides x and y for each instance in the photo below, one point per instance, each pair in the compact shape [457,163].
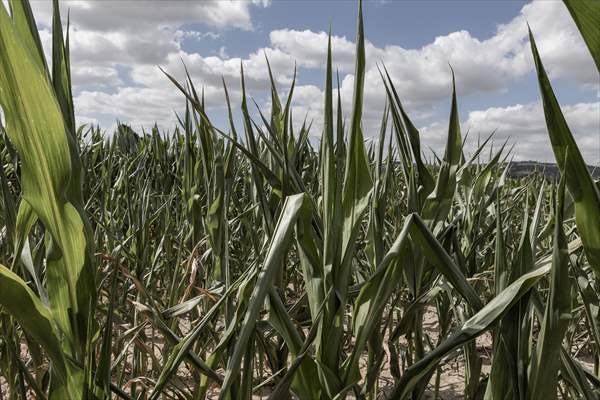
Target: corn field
[247,262]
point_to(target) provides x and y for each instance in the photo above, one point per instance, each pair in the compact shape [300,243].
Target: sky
[118,46]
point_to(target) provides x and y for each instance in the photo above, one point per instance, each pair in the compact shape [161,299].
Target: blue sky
[117,46]
[404,22]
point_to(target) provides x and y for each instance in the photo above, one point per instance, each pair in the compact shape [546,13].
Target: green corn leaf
[584,191]
[481,322]
[277,248]
[407,129]
[586,14]
[35,318]
[304,380]
[61,74]
[544,379]
[22,16]
[500,381]
[182,349]
[437,205]
[375,293]
[355,195]
[357,180]
[35,125]
[10,208]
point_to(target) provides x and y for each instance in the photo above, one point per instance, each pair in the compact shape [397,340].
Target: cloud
[115,51]
[557,37]
[135,33]
[147,104]
[422,75]
[264,3]
[310,48]
[197,35]
[116,47]
[524,126]
[133,15]
[96,75]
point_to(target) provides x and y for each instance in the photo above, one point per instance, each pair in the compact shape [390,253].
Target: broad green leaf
[35,318]
[35,125]
[582,187]
[22,16]
[586,14]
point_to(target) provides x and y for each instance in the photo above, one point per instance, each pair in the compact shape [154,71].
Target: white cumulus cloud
[116,47]
[524,126]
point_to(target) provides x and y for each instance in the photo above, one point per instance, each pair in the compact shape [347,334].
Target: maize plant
[250,261]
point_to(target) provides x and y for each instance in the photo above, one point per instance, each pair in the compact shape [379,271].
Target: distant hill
[519,169]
